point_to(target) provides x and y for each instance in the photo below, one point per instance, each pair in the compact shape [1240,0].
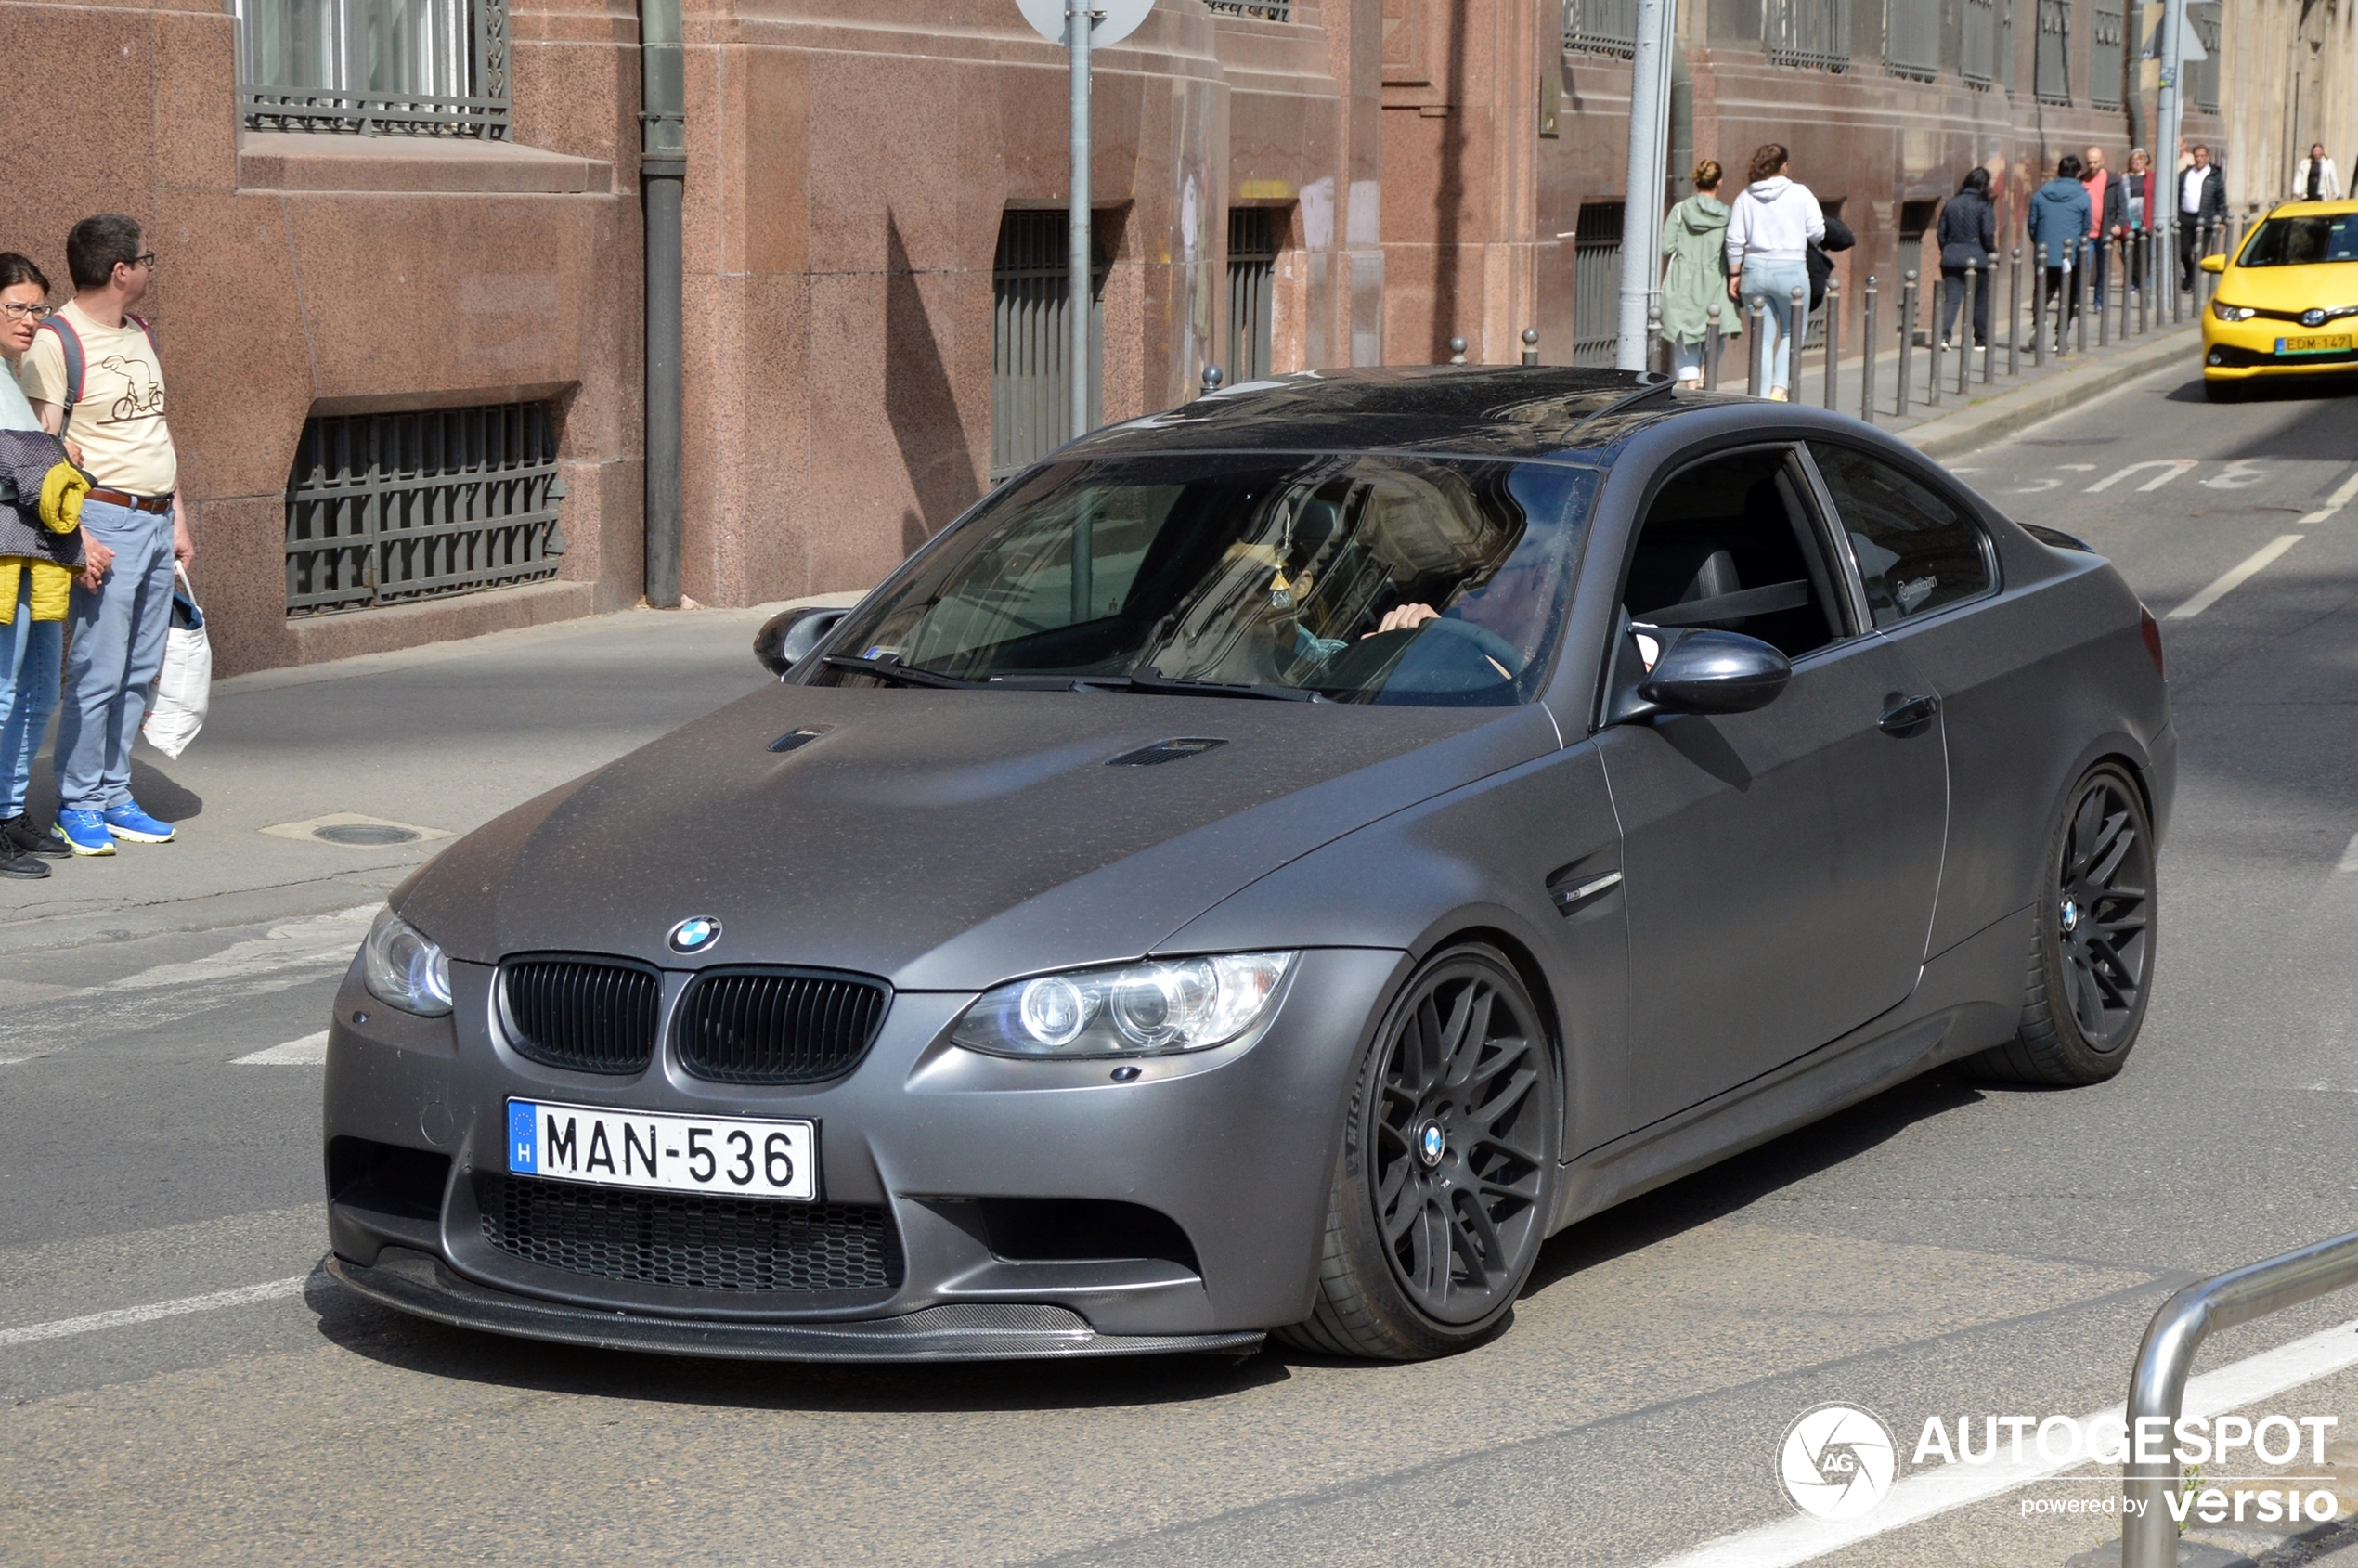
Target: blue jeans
[29,653]
[1773,280]
[118,652]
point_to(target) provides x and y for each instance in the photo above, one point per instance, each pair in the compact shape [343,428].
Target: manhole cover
[367,835]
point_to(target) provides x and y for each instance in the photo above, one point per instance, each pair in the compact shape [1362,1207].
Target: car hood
[944,840]
[2329,284]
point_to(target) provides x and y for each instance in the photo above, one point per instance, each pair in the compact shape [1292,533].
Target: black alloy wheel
[2092,958]
[1448,1171]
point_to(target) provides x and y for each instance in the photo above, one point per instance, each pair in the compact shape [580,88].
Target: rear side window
[1915,552]
[1726,545]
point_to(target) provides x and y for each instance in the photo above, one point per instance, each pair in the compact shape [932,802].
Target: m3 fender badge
[696,934]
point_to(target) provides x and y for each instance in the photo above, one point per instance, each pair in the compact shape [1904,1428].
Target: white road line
[321,939]
[123,1317]
[2349,855]
[2172,468]
[309,1051]
[2335,502]
[2234,578]
[1920,1497]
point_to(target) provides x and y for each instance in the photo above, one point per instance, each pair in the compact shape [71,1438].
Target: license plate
[2340,343]
[725,1154]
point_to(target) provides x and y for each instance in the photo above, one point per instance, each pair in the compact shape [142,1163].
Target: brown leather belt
[136,504]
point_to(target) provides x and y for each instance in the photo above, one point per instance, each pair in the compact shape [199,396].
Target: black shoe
[28,868]
[21,832]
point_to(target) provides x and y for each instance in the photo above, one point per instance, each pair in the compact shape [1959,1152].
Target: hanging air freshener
[1280,591]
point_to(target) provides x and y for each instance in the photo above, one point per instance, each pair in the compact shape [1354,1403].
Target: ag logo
[693,934]
[1836,1461]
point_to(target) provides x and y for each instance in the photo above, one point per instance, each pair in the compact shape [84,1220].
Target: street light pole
[1648,173]
[1077,23]
[2170,112]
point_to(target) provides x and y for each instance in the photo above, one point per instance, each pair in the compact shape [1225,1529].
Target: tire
[2224,391]
[1427,1247]
[2092,953]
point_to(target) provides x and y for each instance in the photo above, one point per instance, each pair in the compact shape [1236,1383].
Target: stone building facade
[400,289]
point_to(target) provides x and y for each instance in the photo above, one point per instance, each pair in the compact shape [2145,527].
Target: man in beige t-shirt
[94,377]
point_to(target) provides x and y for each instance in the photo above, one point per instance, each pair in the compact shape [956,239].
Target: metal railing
[1602,26]
[1978,62]
[438,68]
[1266,10]
[2157,1388]
[383,509]
[1812,34]
[1596,283]
[1252,277]
[1911,39]
[1031,338]
[2051,67]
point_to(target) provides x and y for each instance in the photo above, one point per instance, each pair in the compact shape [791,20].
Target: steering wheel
[1510,657]
[1459,660]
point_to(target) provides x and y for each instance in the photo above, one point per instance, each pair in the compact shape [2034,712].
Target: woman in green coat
[1695,239]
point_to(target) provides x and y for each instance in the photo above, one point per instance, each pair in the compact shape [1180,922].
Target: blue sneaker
[85,832]
[127,820]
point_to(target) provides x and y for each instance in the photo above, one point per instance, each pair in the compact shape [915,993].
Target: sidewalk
[437,740]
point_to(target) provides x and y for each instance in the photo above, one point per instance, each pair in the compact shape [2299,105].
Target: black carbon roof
[1488,410]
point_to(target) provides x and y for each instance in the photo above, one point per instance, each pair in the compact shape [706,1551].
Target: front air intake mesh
[587,1013]
[776,1025]
[690,1241]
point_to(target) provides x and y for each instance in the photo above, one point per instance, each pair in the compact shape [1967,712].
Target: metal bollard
[1457,351]
[1965,316]
[1756,357]
[1654,338]
[2096,251]
[1866,359]
[1711,346]
[1989,308]
[2080,300]
[1797,319]
[1932,369]
[1212,379]
[1531,346]
[1833,335]
[2144,283]
[2014,315]
[1907,339]
[2039,307]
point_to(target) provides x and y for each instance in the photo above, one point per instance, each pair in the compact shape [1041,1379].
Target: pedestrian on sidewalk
[1769,228]
[2108,200]
[1968,234]
[95,376]
[2315,179]
[2059,220]
[2139,183]
[2202,201]
[1695,239]
[38,565]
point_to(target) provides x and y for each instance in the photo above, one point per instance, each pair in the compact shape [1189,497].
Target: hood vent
[1176,750]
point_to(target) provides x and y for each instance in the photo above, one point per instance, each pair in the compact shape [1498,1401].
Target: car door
[1779,866]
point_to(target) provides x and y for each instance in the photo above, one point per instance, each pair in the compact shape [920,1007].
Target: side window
[1727,545]
[1915,552]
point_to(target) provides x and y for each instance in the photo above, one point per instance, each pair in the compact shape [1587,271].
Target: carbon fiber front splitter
[415,1283]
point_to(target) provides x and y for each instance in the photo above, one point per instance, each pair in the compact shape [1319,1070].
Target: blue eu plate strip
[524,1138]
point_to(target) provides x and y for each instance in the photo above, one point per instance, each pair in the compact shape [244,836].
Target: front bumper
[1235,1146]
[2246,350]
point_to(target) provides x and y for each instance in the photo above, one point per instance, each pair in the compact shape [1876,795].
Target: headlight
[403,969]
[1136,1010]
[2231,312]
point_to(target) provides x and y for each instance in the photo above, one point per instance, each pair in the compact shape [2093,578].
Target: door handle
[1909,717]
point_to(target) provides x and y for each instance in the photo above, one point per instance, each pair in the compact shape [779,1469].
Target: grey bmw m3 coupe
[1262,870]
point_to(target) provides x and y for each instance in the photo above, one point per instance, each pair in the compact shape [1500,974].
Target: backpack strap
[71,342]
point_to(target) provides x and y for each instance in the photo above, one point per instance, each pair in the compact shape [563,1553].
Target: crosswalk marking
[124,1317]
[309,1051]
[2335,502]
[2235,577]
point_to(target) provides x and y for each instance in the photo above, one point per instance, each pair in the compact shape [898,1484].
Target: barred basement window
[2052,80]
[2006,45]
[1031,340]
[1911,38]
[2106,32]
[1978,62]
[1596,283]
[383,509]
[1252,277]
[1602,26]
[1812,34]
[429,67]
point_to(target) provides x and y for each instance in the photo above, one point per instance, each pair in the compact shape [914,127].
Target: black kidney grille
[776,1027]
[692,1242]
[581,1014]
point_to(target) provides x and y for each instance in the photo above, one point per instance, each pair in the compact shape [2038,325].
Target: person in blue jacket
[2060,219]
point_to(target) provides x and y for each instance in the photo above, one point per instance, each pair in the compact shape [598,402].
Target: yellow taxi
[2286,302]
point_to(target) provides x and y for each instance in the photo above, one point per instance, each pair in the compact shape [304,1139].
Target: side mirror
[1715,672]
[786,638]
[2214,264]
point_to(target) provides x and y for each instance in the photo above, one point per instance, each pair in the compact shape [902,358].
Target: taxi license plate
[2338,344]
[736,1155]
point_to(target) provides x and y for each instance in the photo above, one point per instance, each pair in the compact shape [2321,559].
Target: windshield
[1356,578]
[2301,241]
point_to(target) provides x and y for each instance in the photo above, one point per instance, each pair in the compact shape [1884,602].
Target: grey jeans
[116,654]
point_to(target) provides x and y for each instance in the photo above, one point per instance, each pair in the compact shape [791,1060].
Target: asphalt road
[1949,1248]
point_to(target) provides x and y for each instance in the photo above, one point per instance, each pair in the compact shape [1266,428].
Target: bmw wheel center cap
[696,934]
[2070,912]
[1430,1143]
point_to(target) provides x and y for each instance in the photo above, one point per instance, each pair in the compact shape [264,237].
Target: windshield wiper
[1154,681]
[894,670]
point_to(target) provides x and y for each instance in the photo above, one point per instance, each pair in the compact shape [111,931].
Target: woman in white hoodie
[1769,229]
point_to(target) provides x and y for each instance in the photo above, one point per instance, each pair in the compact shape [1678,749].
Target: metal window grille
[424,67]
[1031,340]
[1267,10]
[1596,284]
[1978,55]
[2006,45]
[386,507]
[1602,26]
[2107,29]
[1252,280]
[1911,38]
[2202,77]
[1813,33]
[2052,78]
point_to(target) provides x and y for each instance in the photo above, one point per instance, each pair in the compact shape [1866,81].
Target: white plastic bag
[183,688]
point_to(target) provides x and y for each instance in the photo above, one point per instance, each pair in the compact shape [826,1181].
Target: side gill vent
[1176,750]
